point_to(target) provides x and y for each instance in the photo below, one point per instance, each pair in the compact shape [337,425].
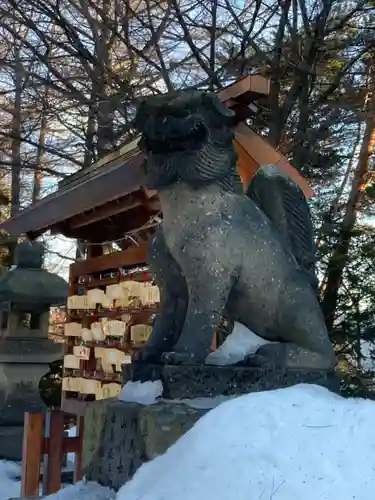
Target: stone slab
[119,437]
[11,443]
[185,381]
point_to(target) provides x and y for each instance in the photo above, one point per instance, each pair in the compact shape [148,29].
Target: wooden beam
[72,444]
[256,151]
[132,256]
[32,453]
[255,85]
[53,458]
[106,211]
[153,204]
[78,469]
[113,229]
[94,251]
[149,193]
[73,406]
[69,444]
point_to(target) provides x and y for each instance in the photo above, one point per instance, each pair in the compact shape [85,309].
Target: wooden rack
[98,273]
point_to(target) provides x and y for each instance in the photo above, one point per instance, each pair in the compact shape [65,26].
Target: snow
[148,393]
[240,343]
[145,393]
[83,491]
[302,442]
[72,432]
[200,403]
[10,485]
[368,356]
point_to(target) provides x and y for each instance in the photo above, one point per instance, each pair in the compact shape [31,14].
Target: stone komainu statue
[220,251]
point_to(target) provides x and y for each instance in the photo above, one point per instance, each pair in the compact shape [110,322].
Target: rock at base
[194,381]
[119,437]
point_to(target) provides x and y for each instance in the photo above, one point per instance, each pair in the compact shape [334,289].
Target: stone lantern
[26,294]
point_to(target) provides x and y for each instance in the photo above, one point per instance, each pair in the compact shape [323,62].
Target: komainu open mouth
[173,137]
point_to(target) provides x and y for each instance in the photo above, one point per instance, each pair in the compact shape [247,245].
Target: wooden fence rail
[44,442]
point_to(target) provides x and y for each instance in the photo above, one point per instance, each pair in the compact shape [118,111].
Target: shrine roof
[108,199]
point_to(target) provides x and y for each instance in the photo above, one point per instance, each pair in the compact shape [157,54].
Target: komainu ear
[210,99]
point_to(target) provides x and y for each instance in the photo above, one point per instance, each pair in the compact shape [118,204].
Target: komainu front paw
[146,356]
[144,367]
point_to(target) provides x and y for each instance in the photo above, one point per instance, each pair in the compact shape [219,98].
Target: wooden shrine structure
[108,202]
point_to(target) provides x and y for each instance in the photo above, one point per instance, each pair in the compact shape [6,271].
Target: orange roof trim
[254,151]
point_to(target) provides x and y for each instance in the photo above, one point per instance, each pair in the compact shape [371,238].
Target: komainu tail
[284,203]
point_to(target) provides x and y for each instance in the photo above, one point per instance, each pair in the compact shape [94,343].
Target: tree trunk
[339,256]
[90,132]
[40,152]
[105,112]
[16,137]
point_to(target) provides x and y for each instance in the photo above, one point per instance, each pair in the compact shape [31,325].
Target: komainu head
[186,137]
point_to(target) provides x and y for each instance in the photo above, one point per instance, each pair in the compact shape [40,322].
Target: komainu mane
[220,251]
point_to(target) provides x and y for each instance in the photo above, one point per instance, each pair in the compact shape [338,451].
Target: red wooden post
[32,453]
[79,454]
[53,453]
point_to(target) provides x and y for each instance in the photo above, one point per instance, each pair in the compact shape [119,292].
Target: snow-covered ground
[301,443]
[10,485]
[84,491]
[72,432]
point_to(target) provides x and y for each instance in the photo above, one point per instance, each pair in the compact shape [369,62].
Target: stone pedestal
[119,437]
[182,381]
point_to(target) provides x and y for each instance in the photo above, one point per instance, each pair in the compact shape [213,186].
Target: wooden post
[45,436]
[54,452]
[79,454]
[32,454]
